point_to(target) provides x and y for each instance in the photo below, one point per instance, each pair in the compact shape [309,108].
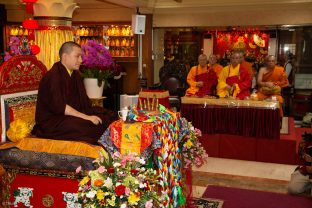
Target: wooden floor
[252,175]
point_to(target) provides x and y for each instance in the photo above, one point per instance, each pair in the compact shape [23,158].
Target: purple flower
[95,55]
[97,62]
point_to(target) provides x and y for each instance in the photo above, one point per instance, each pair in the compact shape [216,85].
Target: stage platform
[283,150]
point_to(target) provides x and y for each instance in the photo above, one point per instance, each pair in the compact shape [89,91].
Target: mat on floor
[205,203]
[243,198]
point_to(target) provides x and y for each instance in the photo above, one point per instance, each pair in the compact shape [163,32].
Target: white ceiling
[174,4]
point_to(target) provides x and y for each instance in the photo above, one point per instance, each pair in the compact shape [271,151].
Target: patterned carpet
[206,203]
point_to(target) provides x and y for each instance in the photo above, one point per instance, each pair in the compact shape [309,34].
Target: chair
[172,77]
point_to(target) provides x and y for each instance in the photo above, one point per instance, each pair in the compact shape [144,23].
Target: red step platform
[35,188]
[283,151]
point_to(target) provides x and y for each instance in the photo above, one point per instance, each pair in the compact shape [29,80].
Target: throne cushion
[17,106]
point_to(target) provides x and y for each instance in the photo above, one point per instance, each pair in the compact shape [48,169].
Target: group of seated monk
[235,80]
[64,110]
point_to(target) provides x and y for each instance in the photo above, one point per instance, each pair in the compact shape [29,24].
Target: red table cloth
[258,119]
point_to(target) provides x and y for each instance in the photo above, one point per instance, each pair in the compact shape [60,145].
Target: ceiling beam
[127,3]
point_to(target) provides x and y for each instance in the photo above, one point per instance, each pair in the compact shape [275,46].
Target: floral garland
[192,150]
[119,181]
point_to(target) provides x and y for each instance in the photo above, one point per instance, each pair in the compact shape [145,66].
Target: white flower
[142,161]
[143,185]
[136,182]
[91,194]
[123,206]
[117,165]
[108,182]
[143,169]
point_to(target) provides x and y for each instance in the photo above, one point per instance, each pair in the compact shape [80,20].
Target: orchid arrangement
[193,152]
[97,62]
[120,181]
[13,48]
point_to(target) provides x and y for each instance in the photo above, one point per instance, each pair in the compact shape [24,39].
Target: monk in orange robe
[271,80]
[214,65]
[201,79]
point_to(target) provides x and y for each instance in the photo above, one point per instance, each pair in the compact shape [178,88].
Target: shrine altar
[154,137]
[260,119]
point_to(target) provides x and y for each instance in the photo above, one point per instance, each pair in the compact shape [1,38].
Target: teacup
[123,114]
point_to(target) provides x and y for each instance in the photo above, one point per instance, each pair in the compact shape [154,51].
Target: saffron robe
[206,75]
[56,89]
[217,68]
[237,76]
[279,78]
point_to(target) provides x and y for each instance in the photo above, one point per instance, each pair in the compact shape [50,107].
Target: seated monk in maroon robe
[202,79]
[63,109]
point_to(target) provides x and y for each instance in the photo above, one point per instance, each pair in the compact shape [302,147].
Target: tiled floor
[242,174]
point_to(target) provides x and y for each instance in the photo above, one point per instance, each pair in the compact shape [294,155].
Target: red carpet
[243,198]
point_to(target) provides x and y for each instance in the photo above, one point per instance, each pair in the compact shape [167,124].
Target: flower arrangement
[192,150]
[119,181]
[97,62]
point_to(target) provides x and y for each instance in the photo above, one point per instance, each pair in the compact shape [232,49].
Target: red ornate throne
[44,175]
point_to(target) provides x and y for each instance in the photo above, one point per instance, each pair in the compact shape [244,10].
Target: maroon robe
[210,81]
[243,80]
[57,89]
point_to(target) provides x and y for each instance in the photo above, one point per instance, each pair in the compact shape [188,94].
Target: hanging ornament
[29,6]
[30,24]
[35,49]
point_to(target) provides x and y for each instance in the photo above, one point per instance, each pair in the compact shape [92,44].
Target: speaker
[138,24]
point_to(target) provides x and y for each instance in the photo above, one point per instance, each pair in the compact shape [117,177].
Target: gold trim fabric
[55,146]
[164,94]
[230,102]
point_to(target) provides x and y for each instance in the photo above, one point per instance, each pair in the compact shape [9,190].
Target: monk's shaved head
[270,61]
[202,56]
[67,47]
[269,57]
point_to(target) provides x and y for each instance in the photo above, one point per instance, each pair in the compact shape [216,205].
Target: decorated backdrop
[254,43]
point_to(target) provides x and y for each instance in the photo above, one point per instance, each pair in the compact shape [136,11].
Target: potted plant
[97,67]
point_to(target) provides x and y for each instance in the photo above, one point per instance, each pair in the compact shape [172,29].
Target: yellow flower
[111,201]
[100,194]
[189,144]
[84,181]
[133,198]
